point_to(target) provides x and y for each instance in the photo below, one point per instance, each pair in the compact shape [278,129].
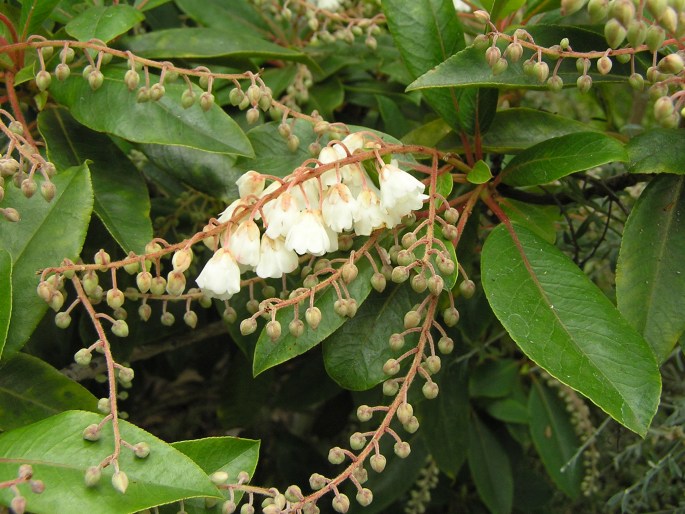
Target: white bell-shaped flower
[228,212]
[244,243]
[306,194]
[281,215]
[220,278]
[401,193]
[250,183]
[368,216]
[266,208]
[308,234]
[338,207]
[329,155]
[275,259]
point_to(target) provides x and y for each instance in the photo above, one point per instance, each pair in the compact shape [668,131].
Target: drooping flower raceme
[275,259]
[281,215]
[400,192]
[244,243]
[368,216]
[308,234]
[220,278]
[338,207]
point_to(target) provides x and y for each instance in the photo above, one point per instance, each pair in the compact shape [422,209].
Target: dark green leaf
[6,296]
[551,309]
[427,32]
[354,355]
[490,468]
[493,379]
[657,151]
[509,410]
[239,15]
[229,454]
[444,187]
[650,276]
[469,68]
[445,420]
[477,108]
[480,173]
[46,234]
[269,353]
[59,456]
[560,156]
[541,219]
[203,43]
[429,134]
[554,439]
[520,128]
[326,97]
[121,197]
[114,109]
[104,22]
[31,390]
[33,14]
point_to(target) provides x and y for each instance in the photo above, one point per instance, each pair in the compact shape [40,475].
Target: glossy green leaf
[428,134]
[445,419]
[490,468]
[469,67]
[204,43]
[650,275]
[508,410]
[444,185]
[354,355]
[121,198]
[494,379]
[238,15]
[104,22]
[46,234]
[114,109]
[229,454]
[33,14]
[326,97]
[560,156]
[427,32]
[519,128]
[31,390]
[269,353]
[541,219]
[6,296]
[480,173]
[565,324]
[555,439]
[657,151]
[59,456]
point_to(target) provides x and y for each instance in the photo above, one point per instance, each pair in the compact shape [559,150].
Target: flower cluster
[304,214]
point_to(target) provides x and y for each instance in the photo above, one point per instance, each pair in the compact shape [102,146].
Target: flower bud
[8,167]
[663,107]
[672,63]
[273,330]
[669,19]
[158,285]
[604,65]
[467,288]
[120,481]
[433,364]
[293,493]
[56,300]
[336,455]
[402,450]
[92,476]
[296,328]
[95,79]
[176,283]
[247,508]
[419,283]
[445,345]
[451,215]
[10,214]
[514,52]
[131,79]
[18,504]
[248,326]
[390,387]
[228,507]
[500,66]
[206,101]
[430,390]
[62,320]
[657,7]
[481,41]
[141,450]
[404,412]
[92,432]
[481,15]
[492,55]
[555,83]
[28,187]
[636,82]
[104,406]
[378,282]
[412,425]
[313,317]
[115,298]
[349,272]
[412,319]
[377,462]
[144,311]
[400,274]
[190,319]
[364,497]
[435,285]
[614,33]
[120,328]
[43,79]
[364,413]
[317,481]
[48,190]
[584,83]
[541,71]
[37,486]
[396,342]
[167,319]
[357,441]
[90,282]
[341,503]
[622,10]
[83,357]
[252,116]
[636,33]
[450,316]
[391,367]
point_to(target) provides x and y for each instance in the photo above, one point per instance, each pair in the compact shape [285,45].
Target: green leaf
[541,219]
[429,134]
[427,32]
[354,355]
[494,379]
[560,156]
[239,15]
[469,67]
[121,198]
[480,173]
[443,186]
[490,468]
[6,296]
[326,97]
[104,22]
[552,310]
[59,456]
[229,454]
[519,128]
[113,109]
[31,390]
[508,410]
[33,14]
[269,353]
[46,234]
[204,43]
[444,420]
[650,275]
[555,439]
[657,151]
